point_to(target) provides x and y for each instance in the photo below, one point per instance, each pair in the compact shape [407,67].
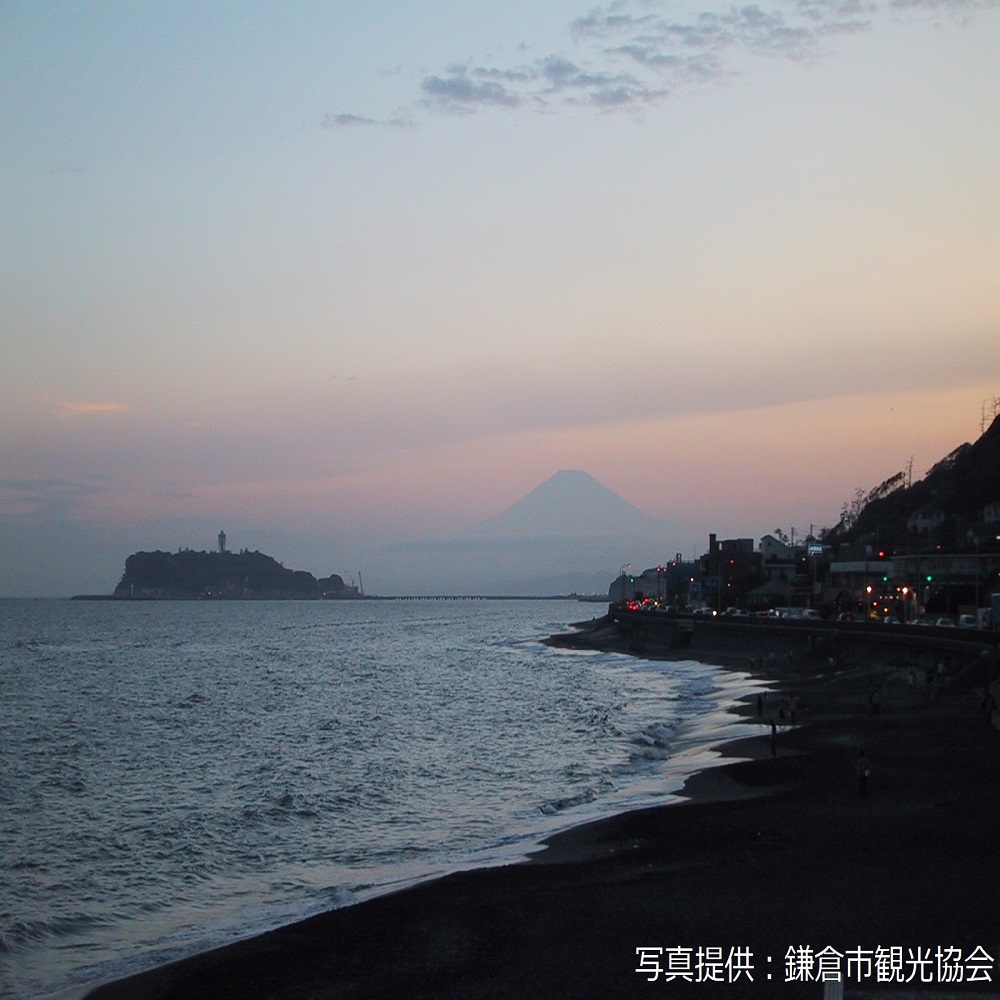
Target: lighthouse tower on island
[222,542]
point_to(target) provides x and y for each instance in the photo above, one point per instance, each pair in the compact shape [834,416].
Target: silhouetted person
[774,739]
[864,770]
[988,705]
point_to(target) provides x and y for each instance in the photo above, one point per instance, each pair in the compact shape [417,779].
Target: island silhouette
[223,575]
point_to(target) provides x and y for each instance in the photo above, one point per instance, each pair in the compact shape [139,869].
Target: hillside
[958,488]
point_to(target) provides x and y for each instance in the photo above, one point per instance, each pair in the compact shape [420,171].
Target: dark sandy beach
[772,855]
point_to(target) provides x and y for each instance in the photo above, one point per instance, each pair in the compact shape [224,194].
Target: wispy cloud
[962,7]
[708,43]
[629,54]
[83,408]
[463,90]
[41,497]
[361,121]
[539,85]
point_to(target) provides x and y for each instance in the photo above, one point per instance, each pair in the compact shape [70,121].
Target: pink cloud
[78,408]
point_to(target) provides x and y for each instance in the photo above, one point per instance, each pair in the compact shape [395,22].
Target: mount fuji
[571,504]
[571,534]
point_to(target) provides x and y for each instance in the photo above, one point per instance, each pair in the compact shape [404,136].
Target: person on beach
[760,706]
[988,705]
[774,739]
[864,770]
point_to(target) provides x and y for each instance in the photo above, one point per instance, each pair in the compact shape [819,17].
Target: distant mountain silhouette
[570,504]
[570,534]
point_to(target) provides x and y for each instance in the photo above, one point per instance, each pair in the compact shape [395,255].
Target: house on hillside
[924,520]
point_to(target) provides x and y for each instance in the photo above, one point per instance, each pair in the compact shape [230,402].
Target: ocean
[177,775]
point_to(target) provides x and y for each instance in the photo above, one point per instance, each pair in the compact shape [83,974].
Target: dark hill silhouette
[959,487]
[187,574]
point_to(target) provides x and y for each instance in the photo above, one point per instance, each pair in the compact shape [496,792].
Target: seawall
[763,644]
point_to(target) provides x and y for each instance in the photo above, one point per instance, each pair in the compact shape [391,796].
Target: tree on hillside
[851,510]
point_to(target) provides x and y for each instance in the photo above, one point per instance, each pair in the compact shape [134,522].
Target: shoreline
[667,788]
[764,849]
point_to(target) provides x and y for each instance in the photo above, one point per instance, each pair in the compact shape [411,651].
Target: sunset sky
[336,276]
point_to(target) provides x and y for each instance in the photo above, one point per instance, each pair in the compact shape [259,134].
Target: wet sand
[769,853]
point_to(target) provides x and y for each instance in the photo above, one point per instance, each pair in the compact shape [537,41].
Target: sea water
[176,775]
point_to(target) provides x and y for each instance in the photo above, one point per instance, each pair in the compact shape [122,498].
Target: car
[705,612]
[968,621]
[945,623]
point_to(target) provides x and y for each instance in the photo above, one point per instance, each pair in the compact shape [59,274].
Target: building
[777,559]
[906,586]
[924,520]
[670,583]
[729,570]
[991,513]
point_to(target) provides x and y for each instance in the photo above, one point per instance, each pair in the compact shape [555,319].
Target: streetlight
[910,593]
